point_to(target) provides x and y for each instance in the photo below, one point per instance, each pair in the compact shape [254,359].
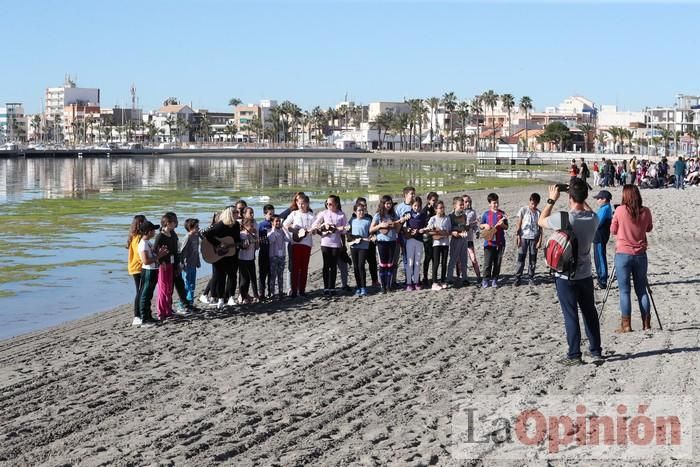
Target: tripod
[607,294]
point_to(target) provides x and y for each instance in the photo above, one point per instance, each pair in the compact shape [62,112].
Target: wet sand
[340,381]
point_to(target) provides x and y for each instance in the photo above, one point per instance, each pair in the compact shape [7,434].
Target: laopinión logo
[584,427]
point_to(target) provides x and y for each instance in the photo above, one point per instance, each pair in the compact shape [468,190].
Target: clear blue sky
[625,53]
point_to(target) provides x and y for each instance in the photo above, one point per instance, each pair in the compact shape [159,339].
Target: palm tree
[399,125]
[170,122]
[230,130]
[629,134]
[36,124]
[106,127]
[418,110]
[449,101]
[508,102]
[204,127]
[586,128]
[600,137]
[490,100]
[433,104]
[89,124]
[383,120]
[256,125]
[695,134]
[526,106]
[463,114]
[151,130]
[615,132]
[667,135]
[356,115]
[476,110]
[234,101]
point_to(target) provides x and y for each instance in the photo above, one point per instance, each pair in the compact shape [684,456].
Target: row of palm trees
[459,115]
[287,122]
[663,140]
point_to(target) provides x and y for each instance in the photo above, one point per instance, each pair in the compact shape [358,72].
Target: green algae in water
[29,272]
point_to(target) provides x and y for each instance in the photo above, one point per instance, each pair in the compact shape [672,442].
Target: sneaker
[231,302]
[204,299]
[443,286]
[220,304]
[181,311]
[357,292]
[148,324]
[484,284]
[531,282]
[326,292]
[409,288]
[363,292]
[419,286]
[384,290]
[137,321]
[597,359]
[517,282]
[566,361]
[436,286]
[494,284]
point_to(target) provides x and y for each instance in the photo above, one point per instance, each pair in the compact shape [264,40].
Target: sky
[632,54]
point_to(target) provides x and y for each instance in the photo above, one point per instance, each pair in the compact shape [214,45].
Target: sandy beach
[341,381]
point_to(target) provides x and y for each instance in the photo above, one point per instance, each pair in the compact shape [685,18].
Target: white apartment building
[171,120]
[609,116]
[376,108]
[58,99]
[13,122]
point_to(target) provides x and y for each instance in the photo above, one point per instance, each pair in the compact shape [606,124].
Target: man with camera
[576,290]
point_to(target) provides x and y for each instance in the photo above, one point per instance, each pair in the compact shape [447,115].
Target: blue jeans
[601,263]
[573,294]
[680,182]
[635,265]
[190,279]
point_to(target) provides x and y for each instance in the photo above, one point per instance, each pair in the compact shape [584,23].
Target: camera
[563,187]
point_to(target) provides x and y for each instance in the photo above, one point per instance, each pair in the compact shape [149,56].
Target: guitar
[392,224]
[329,229]
[212,254]
[355,239]
[298,233]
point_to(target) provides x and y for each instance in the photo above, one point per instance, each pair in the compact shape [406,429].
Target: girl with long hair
[630,225]
[134,263]
[385,225]
[226,267]
[298,225]
[329,224]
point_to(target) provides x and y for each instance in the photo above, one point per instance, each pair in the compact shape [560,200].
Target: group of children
[411,234]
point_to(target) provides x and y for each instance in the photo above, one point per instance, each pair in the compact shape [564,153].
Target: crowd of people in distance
[434,239]
[643,173]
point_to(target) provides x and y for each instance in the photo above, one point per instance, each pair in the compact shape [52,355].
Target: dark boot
[625,325]
[646,322]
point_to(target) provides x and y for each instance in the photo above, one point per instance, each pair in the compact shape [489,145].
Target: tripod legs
[651,297]
[611,278]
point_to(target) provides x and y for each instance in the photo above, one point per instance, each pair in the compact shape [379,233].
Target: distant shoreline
[330,153]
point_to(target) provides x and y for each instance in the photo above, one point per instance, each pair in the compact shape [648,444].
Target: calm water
[60,272]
